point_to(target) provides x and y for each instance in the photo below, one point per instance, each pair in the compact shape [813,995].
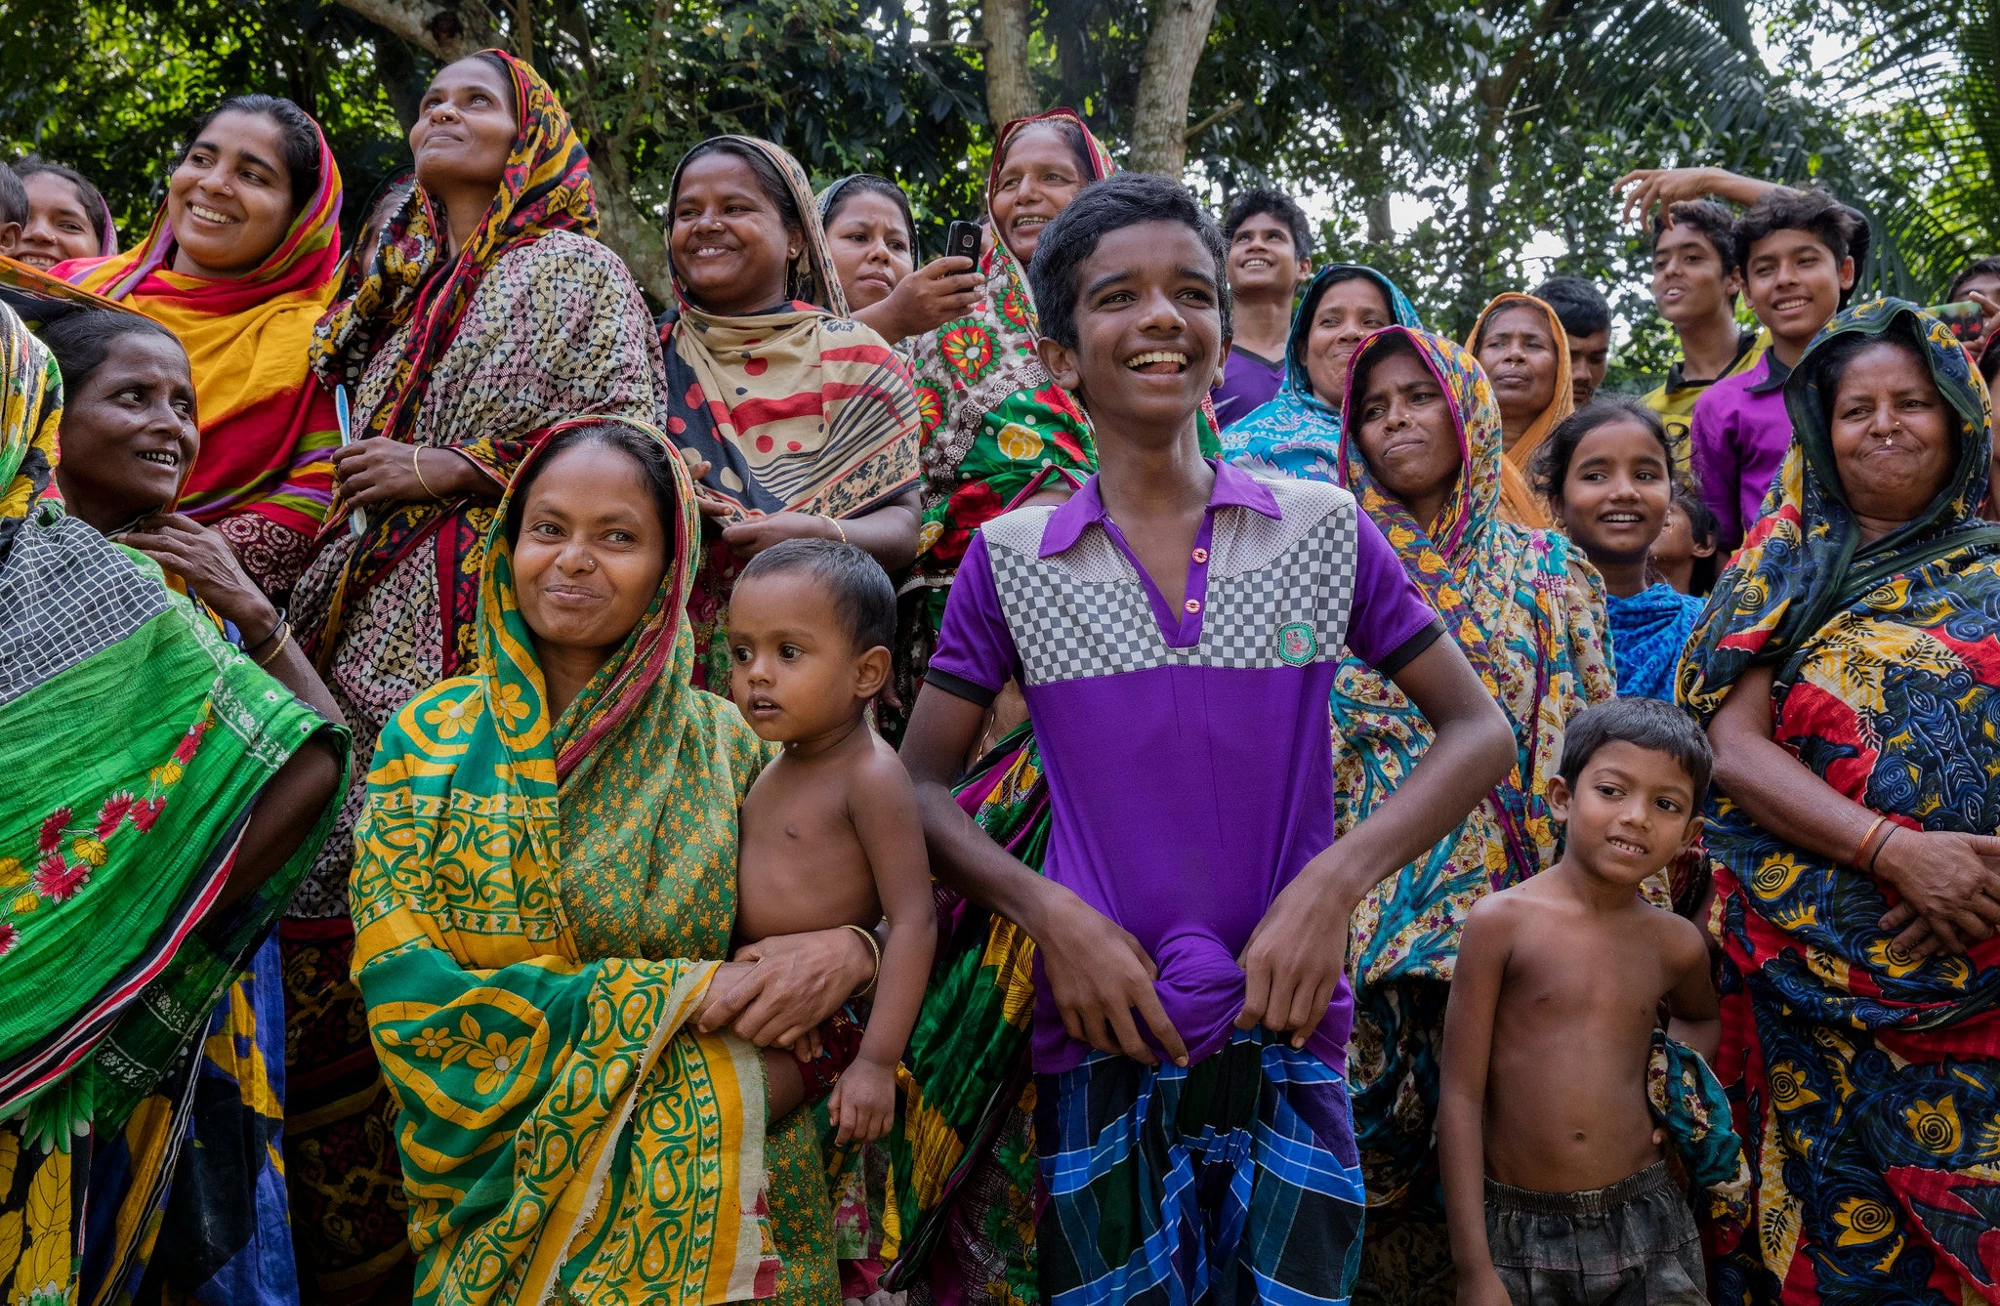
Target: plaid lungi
[1234,1180]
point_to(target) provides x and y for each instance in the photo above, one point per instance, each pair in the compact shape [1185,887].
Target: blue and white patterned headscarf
[1295,434]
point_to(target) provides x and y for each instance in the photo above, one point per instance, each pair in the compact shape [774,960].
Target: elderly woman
[1846,670]
[544,889]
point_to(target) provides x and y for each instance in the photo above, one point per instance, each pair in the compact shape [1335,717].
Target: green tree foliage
[1502,124]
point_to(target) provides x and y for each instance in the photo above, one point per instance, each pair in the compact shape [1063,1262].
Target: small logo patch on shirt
[1297,645]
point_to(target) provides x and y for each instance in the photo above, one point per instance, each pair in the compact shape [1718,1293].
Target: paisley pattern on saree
[1865,1083]
[564,1130]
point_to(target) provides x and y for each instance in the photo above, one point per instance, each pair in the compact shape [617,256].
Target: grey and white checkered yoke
[66,593]
[1083,612]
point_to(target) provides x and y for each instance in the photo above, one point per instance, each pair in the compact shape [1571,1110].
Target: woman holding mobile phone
[874,242]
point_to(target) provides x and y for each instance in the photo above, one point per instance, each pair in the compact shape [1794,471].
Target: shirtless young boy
[1555,1184]
[829,833]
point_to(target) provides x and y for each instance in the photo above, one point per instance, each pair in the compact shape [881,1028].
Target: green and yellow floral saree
[540,903]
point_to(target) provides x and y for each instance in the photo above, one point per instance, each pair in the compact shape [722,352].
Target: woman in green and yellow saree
[544,894]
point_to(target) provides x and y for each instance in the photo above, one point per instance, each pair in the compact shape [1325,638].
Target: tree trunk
[634,236]
[1166,73]
[937,20]
[447,30]
[1010,88]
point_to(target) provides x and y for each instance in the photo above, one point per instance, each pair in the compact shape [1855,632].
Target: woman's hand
[210,567]
[752,537]
[1950,885]
[381,470]
[705,503]
[934,294]
[776,990]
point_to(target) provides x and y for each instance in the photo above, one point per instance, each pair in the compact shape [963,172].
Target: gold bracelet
[875,948]
[418,467]
[284,638]
[842,531]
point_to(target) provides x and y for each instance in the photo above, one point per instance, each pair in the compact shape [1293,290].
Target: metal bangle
[417,466]
[873,947]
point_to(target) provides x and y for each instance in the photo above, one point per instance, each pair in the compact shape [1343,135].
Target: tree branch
[447,30]
[1226,111]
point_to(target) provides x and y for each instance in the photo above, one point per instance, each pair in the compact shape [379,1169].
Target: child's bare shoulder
[877,772]
[1497,919]
[1681,942]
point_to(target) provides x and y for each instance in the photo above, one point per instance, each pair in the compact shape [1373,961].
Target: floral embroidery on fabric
[66,853]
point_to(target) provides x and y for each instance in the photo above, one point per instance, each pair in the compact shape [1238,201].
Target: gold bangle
[418,467]
[284,638]
[875,948]
[842,532]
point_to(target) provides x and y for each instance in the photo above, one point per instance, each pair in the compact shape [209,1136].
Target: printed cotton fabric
[116,842]
[1865,1083]
[540,904]
[1649,631]
[1527,610]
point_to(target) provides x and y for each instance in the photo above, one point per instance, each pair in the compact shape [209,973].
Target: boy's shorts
[1631,1244]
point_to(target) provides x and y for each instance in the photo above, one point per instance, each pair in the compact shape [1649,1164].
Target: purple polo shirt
[1248,383]
[1740,434]
[1189,752]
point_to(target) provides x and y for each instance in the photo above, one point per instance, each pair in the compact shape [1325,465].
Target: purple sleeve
[975,654]
[1715,463]
[1391,621]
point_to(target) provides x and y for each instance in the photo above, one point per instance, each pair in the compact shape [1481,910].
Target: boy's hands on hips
[863,1104]
[1296,954]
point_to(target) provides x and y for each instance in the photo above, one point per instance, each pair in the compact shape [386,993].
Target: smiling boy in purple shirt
[1175,628]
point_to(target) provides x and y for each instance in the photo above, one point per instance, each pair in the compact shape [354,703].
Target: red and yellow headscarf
[546,187]
[267,426]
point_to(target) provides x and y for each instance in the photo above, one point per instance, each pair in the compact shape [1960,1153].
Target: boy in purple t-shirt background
[1175,627]
[1795,247]
[1270,256]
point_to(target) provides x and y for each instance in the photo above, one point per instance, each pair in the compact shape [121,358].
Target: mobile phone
[961,240]
[1963,318]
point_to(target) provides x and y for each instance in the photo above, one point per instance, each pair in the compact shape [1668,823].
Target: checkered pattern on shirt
[1084,612]
[66,593]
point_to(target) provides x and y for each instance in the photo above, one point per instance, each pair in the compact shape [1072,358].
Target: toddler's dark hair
[860,589]
[1263,199]
[1705,529]
[1578,303]
[1645,723]
[1552,460]
[13,198]
[1123,199]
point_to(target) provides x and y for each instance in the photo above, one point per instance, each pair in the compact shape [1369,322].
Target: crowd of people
[1123,769]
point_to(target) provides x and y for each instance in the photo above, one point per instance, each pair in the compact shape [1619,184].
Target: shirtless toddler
[1556,1187]
[829,833]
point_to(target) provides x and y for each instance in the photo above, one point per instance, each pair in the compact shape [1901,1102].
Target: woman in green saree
[164,797]
[544,893]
